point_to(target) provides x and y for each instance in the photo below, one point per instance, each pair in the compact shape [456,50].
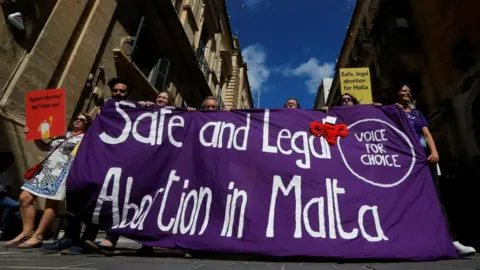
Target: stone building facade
[323,93]
[434,45]
[185,46]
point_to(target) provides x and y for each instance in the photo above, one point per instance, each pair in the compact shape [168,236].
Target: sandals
[18,242]
[36,245]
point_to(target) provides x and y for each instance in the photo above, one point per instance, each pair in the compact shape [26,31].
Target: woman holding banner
[166,99]
[420,125]
[292,103]
[107,246]
[47,180]
[348,100]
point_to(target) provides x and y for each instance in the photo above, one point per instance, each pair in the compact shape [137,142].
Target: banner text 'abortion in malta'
[193,205]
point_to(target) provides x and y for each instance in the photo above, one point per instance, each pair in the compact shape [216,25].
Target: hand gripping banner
[269,182]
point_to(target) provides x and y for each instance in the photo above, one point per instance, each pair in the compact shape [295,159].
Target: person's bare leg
[27,210]
[47,218]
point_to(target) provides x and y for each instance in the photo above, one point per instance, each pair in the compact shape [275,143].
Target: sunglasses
[347,99]
[81,119]
[122,91]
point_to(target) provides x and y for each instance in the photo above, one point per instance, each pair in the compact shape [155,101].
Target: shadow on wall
[15,143]
[460,186]
[6,146]
[34,15]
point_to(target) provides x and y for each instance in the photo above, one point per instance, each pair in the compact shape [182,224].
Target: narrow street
[33,259]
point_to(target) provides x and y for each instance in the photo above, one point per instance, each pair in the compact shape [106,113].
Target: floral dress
[51,180]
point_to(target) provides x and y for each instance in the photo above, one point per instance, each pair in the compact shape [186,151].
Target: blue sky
[289,45]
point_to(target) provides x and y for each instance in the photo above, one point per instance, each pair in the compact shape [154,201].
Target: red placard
[45,113]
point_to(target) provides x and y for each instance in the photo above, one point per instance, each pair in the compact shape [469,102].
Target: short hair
[209,98]
[354,99]
[296,100]
[116,80]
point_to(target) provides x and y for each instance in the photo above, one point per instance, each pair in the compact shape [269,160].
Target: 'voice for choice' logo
[382,156]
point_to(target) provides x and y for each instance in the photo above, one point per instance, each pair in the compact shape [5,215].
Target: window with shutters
[149,58]
[159,74]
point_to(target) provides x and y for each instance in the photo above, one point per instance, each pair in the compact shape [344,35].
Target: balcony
[168,33]
[212,16]
[365,42]
[203,64]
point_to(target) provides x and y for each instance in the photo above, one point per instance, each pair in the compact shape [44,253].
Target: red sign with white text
[45,113]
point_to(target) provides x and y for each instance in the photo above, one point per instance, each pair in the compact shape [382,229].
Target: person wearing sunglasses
[49,182]
[348,100]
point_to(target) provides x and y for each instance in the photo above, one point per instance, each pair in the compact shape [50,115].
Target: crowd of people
[48,179]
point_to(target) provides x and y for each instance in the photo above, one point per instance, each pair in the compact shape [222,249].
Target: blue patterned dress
[51,180]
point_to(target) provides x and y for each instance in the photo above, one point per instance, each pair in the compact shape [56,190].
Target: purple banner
[258,182]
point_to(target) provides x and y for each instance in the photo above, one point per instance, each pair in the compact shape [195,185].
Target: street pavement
[34,259]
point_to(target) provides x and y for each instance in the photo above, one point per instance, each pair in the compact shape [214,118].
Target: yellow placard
[356,81]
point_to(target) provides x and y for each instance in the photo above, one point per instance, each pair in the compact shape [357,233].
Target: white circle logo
[373,182]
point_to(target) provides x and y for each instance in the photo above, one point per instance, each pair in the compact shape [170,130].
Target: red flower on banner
[328,131]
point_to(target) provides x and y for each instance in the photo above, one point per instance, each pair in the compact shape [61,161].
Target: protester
[48,182]
[107,246]
[10,206]
[164,98]
[347,100]
[420,125]
[120,88]
[71,243]
[292,103]
[210,104]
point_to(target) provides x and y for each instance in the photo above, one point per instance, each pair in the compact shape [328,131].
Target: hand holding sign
[43,108]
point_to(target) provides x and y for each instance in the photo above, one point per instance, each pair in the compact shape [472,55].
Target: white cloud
[252,4]
[258,72]
[313,71]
